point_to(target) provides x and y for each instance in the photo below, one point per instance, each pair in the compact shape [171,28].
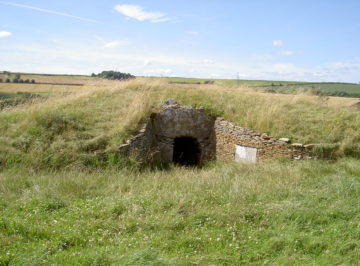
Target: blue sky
[316,40]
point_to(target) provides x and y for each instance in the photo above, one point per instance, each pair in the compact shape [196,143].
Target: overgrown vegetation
[61,203]
[8,100]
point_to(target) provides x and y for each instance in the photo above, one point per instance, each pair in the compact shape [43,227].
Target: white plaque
[245,154]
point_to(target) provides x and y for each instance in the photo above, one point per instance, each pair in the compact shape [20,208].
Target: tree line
[15,79]
[114,75]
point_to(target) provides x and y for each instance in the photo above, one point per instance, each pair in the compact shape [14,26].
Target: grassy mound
[60,205]
[66,130]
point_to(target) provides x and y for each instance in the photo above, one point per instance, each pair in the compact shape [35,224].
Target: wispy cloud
[4,34]
[278,43]
[114,44]
[207,61]
[287,52]
[193,33]
[50,11]
[147,63]
[111,44]
[166,71]
[138,13]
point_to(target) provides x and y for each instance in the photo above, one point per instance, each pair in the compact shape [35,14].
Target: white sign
[245,154]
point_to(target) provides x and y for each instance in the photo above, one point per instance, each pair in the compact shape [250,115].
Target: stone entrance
[186,151]
[177,134]
[188,136]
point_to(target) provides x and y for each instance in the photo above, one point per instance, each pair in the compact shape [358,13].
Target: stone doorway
[186,151]
[176,134]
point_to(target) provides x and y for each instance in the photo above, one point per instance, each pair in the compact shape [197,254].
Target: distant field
[14,94]
[288,87]
[327,89]
[351,89]
[53,85]
[271,86]
[36,88]
[61,79]
[54,79]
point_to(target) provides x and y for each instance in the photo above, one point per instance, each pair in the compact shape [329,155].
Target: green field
[324,88]
[62,204]
[288,87]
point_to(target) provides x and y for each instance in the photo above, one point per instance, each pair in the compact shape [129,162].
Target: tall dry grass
[100,117]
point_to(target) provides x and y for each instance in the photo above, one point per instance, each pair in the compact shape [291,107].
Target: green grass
[8,100]
[292,213]
[6,95]
[288,87]
[61,205]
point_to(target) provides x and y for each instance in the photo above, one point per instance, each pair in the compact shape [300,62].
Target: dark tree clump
[114,75]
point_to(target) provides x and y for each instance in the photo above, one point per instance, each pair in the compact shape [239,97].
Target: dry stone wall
[216,138]
[229,135]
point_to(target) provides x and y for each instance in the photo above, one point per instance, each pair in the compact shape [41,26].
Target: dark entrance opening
[186,151]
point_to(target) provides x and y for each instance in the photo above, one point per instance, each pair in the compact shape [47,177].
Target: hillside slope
[68,128]
[60,204]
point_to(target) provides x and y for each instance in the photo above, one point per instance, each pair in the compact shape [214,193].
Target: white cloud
[4,34]
[51,12]
[278,43]
[85,58]
[193,33]
[158,71]
[147,63]
[207,61]
[284,68]
[138,13]
[114,44]
[287,52]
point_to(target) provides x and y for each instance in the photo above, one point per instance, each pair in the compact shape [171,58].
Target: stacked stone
[229,135]
[217,139]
